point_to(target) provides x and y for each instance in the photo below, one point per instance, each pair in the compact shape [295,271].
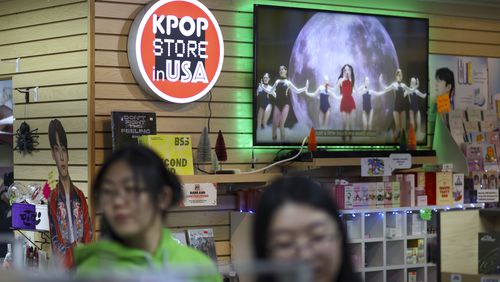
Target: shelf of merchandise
[230,178]
[388,243]
[417,159]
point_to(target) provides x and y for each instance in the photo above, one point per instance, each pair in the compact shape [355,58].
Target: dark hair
[352,76]
[446,75]
[147,167]
[298,190]
[56,129]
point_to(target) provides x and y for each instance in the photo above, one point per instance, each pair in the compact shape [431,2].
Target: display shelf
[398,209]
[395,275]
[379,239]
[395,267]
[389,255]
[432,273]
[415,226]
[355,251]
[394,225]
[230,178]
[420,273]
[375,276]
[373,269]
[395,252]
[374,254]
[356,161]
[353,226]
[374,225]
[415,237]
[416,265]
[395,239]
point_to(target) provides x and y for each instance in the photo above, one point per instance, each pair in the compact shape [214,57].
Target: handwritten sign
[485,195]
[400,161]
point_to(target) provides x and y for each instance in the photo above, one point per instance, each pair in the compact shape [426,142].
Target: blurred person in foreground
[134,191]
[297,220]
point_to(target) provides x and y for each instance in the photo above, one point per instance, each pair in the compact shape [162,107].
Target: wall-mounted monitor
[357,79]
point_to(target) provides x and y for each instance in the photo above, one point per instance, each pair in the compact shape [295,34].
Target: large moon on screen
[329,41]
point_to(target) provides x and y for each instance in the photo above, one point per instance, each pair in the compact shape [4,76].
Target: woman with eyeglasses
[134,191]
[296,219]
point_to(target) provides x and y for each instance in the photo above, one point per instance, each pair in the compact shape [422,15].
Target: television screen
[357,79]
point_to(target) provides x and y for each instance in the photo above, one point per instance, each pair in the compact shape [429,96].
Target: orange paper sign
[443,103]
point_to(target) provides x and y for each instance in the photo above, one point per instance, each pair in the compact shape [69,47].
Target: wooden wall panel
[53,109]
[51,40]
[44,46]
[44,157]
[108,91]
[64,12]
[22,6]
[458,29]
[71,124]
[56,93]
[48,30]
[47,63]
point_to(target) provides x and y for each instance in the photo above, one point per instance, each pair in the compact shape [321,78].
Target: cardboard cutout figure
[68,211]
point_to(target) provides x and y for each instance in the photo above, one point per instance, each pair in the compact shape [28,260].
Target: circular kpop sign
[175,50]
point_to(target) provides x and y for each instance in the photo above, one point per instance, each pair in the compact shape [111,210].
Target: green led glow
[243,95]
[242,50]
[242,110]
[239,49]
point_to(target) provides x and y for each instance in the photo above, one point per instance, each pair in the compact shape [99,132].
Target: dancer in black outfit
[401,103]
[367,94]
[264,105]
[282,103]
[415,104]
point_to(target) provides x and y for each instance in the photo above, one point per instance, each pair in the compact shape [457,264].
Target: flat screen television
[357,79]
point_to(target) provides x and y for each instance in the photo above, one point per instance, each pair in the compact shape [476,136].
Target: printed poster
[174,149]
[470,77]
[199,194]
[494,83]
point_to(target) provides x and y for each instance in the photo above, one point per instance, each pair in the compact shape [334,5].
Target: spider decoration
[26,139]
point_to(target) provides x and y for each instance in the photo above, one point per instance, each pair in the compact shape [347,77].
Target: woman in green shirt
[134,191]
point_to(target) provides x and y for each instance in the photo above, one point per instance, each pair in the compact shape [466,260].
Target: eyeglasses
[315,242]
[127,193]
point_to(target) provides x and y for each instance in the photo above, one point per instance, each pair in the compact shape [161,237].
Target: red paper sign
[176,50]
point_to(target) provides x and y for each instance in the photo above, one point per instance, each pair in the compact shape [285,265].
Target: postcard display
[473,119]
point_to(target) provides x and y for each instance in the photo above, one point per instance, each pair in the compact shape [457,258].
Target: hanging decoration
[26,139]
